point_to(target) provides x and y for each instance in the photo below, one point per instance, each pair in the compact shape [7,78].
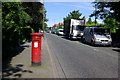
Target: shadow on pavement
[15,72]
[69,39]
[117,50]
[8,69]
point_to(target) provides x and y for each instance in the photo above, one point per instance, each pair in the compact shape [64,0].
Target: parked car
[97,36]
[53,31]
[41,31]
[60,32]
[48,31]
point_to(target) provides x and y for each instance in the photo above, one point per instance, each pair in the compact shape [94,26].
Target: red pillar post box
[36,48]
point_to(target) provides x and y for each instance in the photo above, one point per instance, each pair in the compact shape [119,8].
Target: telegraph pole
[95,15]
[43,18]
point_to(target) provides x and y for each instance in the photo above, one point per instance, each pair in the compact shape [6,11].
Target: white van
[97,36]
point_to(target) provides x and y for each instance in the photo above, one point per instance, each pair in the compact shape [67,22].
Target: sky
[67,0]
[56,11]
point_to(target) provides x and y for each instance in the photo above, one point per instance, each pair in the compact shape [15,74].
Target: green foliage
[46,28]
[111,23]
[59,26]
[37,11]
[73,15]
[103,11]
[45,20]
[15,25]
[91,23]
[18,21]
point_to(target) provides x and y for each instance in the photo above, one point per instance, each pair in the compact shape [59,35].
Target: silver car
[97,36]
[60,32]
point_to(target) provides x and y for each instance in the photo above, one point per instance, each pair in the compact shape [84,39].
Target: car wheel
[83,40]
[92,43]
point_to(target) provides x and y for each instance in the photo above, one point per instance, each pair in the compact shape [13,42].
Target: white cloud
[83,5]
[69,0]
[81,0]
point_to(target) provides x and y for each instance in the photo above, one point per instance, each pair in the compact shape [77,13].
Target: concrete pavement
[21,64]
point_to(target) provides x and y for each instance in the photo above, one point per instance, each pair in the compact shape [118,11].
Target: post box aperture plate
[36,44]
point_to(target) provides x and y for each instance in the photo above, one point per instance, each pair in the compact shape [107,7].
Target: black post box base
[36,63]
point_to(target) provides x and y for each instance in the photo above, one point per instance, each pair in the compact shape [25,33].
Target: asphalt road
[73,59]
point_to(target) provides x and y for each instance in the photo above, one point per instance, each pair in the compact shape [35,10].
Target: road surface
[73,59]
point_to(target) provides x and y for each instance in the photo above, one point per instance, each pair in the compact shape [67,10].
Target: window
[101,31]
[61,30]
[81,28]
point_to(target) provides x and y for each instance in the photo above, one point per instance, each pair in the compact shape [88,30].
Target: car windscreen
[101,31]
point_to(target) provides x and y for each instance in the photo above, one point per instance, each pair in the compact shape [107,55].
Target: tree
[73,15]
[15,19]
[34,9]
[59,25]
[18,22]
[103,11]
[15,26]
[111,23]
[91,23]
[45,20]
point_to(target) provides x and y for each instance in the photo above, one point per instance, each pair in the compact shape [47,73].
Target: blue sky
[56,11]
